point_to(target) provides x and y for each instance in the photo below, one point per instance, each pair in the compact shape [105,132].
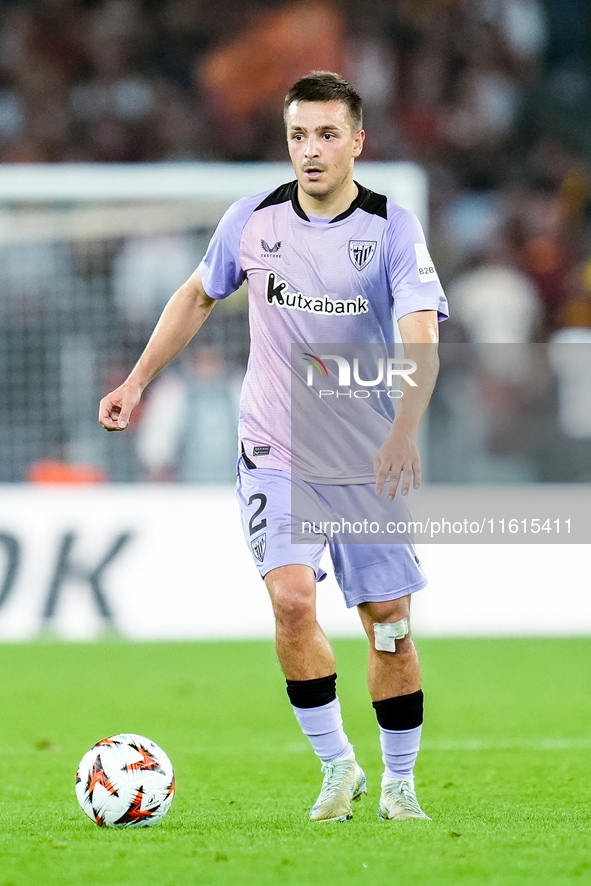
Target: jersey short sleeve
[220,269]
[414,281]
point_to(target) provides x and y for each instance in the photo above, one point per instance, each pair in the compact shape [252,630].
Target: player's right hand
[115,409]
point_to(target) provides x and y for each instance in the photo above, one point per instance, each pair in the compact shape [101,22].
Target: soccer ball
[125,781]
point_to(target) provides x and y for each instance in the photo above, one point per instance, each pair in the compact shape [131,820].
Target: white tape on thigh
[386,634]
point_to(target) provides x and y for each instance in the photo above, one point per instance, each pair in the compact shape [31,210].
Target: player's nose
[312,148]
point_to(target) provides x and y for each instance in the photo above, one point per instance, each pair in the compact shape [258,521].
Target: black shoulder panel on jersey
[369,201]
[283,194]
[375,204]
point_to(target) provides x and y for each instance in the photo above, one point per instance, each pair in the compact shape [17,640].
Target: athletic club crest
[259,546]
[361,252]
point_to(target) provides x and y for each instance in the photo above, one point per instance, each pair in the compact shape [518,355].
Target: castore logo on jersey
[271,251]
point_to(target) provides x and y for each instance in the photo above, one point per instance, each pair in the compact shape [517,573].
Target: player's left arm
[399,456]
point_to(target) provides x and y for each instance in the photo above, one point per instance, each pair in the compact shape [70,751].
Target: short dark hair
[325,86]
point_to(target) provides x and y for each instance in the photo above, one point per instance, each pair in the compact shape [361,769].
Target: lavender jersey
[313,280]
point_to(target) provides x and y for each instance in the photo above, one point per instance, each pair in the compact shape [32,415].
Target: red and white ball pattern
[125,781]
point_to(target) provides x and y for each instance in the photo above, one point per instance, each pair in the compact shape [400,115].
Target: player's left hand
[398,458]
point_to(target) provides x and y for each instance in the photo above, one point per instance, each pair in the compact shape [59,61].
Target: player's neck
[332,204]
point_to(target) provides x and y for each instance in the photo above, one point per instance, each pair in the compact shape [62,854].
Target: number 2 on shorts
[262,499]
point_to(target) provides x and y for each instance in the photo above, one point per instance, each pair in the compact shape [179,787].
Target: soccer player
[326,260]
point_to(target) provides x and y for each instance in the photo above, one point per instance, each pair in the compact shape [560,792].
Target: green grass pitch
[504,770]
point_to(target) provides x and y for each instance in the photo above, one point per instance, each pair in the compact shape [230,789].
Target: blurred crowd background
[491,97]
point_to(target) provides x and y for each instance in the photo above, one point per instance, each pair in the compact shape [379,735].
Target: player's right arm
[182,317]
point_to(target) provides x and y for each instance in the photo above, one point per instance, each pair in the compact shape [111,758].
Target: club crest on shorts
[259,545]
[361,252]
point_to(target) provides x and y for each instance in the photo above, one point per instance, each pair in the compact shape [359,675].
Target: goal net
[89,255]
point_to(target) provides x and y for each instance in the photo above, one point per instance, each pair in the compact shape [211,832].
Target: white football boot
[399,800]
[344,782]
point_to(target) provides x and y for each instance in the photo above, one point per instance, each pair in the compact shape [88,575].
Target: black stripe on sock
[312,693]
[400,712]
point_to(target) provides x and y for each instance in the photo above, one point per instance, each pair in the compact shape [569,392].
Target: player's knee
[293,595]
[393,637]
[293,605]
[387,626]
[385,611]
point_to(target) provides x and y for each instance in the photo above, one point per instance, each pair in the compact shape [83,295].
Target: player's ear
[358,143]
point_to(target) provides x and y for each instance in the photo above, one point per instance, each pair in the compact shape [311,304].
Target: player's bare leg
[390,673]
[307,661]
[394,678]
[303,651]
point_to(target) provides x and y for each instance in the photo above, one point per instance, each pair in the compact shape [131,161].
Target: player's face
[322,146]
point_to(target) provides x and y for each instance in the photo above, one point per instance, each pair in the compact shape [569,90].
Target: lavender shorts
[364,572]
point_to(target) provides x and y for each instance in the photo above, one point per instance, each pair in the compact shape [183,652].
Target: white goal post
[405,183]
